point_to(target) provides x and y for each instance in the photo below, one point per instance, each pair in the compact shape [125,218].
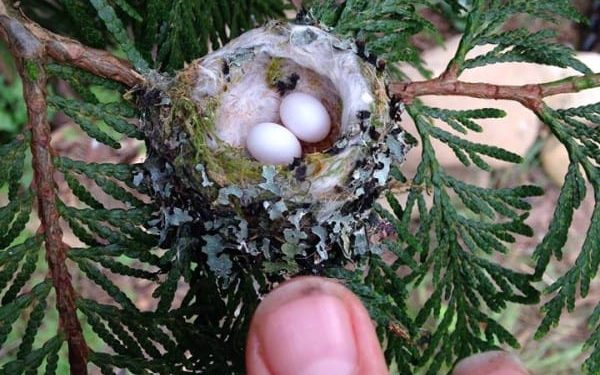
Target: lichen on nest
[317,208]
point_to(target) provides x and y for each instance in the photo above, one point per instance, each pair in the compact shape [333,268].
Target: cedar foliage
[205,333]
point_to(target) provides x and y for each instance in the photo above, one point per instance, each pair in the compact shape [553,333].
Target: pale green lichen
[219,263]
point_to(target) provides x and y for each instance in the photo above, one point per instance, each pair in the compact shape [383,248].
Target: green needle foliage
[484,25]
[198,322]
[168,33]
[454,244]
[12,109]
[384,26]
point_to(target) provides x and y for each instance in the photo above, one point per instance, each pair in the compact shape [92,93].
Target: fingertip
[255,365]
[490,363]
[313,325]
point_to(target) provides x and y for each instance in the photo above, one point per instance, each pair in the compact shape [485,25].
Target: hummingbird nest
[218,200]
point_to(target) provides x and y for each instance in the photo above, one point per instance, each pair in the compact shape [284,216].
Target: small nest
[319,203]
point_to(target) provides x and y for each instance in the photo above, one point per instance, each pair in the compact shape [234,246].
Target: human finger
[313,326]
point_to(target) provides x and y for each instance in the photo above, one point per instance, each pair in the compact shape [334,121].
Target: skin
[316,326]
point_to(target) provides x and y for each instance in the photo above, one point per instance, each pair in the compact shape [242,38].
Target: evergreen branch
[115,26]
[384,294]
[97,62]
[454,243]
[166,291]
[570,198]
[523,46]
[29,53]
[81,192]
[484,25]
[12,157]
[12,256]
[121,172]
[33,325]
[104,282]
[592,364]
[88,26]
[111,226]
[530,95]
[136,365]
[183,30]
[67,51]
[84,122]
[15,216]
[147,335]
[116,251]
[582,142]
[87,116]
[22,277]
[46,194]
[79,78]
[134,336]
[33,360]
[131,12]
[382,28]
[10,312]
[570,85]
[450,243]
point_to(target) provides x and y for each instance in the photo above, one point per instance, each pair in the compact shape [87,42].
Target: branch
[531,96]
[32,47]
[56,250]
[97,62]
[570,84]
[29,53]
[68,51]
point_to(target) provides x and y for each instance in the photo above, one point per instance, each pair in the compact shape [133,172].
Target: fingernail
[311,335]
[490,363]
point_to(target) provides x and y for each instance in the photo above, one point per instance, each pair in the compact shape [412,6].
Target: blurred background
[558,353]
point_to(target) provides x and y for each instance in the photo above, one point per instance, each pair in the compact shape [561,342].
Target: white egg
[305,116]
[272,143]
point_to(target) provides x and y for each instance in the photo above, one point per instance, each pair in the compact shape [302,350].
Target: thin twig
[32,46]
[29,57]
[56,250]
[570,85]
[97,62]
[68,51]
[530,96]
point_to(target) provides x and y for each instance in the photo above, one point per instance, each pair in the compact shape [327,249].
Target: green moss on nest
[224,164]
[274,73]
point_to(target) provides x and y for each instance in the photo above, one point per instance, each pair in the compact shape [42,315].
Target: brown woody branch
[29,53]
[530,96]
[97,62]
[68,51]
[34,83]
[32,47]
